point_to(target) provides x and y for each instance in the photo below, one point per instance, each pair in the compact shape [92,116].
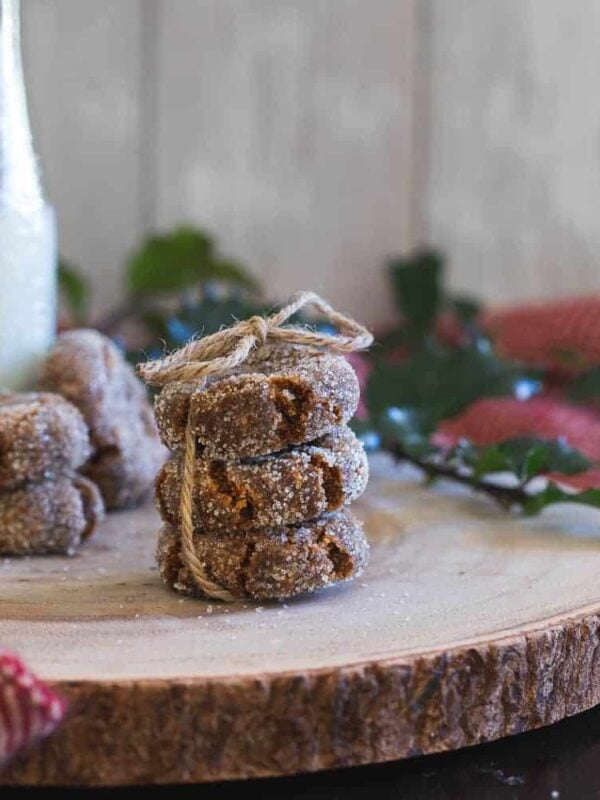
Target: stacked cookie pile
[45,505]
[275,469]
[86,441]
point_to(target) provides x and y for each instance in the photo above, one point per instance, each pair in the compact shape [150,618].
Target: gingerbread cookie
[89,370]
[49,517]
[42,436]
[270,564]
[280,396]
[280,489]
[125,472]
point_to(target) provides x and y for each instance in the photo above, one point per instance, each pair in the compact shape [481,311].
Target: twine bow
[230,347]
[223,351]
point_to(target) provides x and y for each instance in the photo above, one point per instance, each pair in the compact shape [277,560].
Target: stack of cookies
[276,467]
[45,506]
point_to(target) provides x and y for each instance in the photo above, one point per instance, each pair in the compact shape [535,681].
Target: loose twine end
[221,352]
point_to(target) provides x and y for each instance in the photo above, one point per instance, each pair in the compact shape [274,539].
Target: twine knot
[216,355]
[260,329]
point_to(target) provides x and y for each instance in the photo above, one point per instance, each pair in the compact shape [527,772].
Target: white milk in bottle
[28,258]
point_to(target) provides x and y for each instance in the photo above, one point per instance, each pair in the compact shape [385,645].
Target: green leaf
[174,261]
[554,456]
[489,460]
[74,290]
[417,285]
[527,457]
[179,260]
[535,459]
[441,383]
[480,461]
[554,494]
[531,456]
[586,387]
[465,308]
[230,271]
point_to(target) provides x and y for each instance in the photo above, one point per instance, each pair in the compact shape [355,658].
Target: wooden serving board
[468,625]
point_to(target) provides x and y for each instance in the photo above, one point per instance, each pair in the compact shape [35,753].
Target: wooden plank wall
[513,156]
[83,68]
[315,137]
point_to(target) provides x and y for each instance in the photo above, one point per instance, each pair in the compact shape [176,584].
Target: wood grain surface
[468,625]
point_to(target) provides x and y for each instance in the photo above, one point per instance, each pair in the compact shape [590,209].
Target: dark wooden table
[557,763]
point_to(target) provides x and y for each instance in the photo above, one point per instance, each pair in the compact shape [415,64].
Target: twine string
[221,352]
[189,555]
[230,347]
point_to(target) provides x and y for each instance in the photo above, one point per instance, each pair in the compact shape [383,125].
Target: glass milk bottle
[28,282]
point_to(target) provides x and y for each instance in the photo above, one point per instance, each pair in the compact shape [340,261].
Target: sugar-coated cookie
[281,396]
[42,436]
[88,369]
[284,488]
[49,517]
[270,564]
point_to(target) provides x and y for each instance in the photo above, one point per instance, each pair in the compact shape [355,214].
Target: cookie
[42,436]
[126,472]
[280,489]
[89,370]
[270,564]
[280,396]
[49,517]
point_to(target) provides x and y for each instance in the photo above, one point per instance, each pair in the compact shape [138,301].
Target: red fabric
[29,710]
[492,419]
[561,335]
[495,419]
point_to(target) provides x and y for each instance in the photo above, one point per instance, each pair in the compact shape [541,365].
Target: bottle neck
[20,187]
